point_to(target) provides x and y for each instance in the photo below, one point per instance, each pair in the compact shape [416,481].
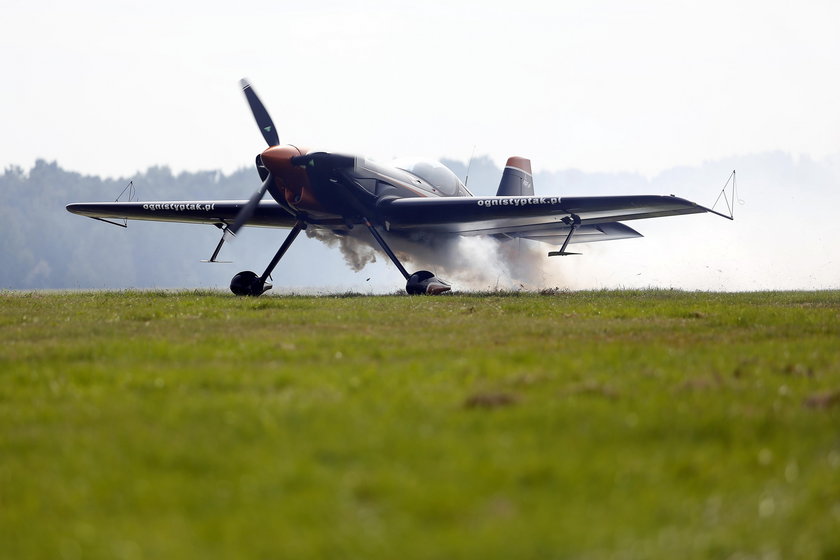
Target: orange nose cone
[279,156]
[287,177]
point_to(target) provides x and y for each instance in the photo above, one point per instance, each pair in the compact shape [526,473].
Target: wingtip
[244,83]
[730,217]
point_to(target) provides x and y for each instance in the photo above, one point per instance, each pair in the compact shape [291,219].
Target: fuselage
[324,187]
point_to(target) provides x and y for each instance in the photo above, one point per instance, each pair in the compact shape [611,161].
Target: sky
[112,87]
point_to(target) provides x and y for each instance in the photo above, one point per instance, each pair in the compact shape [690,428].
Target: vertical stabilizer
[516,179]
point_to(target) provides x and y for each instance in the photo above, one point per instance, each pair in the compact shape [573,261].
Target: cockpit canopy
[435,174]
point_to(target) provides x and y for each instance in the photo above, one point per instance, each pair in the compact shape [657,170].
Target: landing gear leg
[247,283]
[419,283]
[224,227]
[573,223]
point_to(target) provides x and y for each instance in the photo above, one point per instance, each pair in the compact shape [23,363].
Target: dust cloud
[471,262]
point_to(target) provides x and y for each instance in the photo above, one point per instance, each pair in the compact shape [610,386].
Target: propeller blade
[248,210]
[260,114]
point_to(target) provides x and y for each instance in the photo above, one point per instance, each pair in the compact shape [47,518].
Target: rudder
[516,178]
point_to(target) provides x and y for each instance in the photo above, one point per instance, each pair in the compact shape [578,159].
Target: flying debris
[402,204]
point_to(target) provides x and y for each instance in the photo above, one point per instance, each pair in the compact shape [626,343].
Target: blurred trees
[45,247]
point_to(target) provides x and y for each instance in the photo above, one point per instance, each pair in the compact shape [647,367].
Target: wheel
[424,282]
[246,283]
[416,284]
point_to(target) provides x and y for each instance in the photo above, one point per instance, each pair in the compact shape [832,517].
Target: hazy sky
[111,87]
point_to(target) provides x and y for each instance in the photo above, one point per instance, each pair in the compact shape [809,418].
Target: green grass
[634,424]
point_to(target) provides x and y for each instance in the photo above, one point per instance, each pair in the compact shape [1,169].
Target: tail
[516,179]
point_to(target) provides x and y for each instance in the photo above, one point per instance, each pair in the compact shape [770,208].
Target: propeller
[260,114]
[248,210]
[270,134]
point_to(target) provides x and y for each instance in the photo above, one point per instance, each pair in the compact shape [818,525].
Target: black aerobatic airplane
[404,200]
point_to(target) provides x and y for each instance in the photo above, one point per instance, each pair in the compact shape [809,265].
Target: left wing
[543,218]
[477,214]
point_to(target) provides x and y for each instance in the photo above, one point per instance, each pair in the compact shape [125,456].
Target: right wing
[267,214]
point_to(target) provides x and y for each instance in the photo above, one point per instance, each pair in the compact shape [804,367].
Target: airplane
[406,200]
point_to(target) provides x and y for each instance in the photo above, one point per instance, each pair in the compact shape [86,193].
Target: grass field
[631,424]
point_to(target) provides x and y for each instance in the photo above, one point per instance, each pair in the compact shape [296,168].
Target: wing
[541,218]
[267,214]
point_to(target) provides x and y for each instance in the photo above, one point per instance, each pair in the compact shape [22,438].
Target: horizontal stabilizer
[583,234]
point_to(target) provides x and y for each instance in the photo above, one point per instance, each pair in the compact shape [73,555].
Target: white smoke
[357,254]
[469,263]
